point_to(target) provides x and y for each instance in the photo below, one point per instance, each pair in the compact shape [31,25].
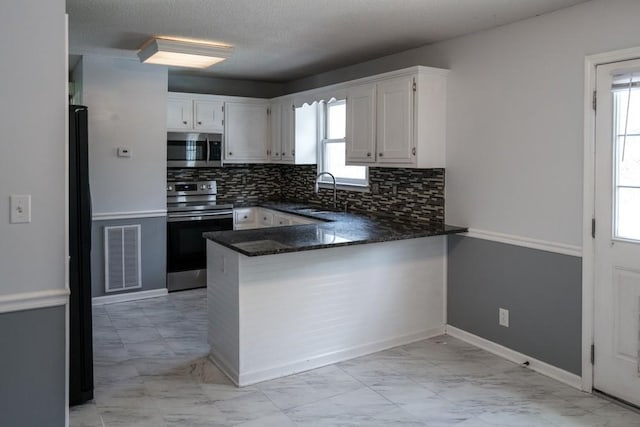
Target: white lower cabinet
[257,217]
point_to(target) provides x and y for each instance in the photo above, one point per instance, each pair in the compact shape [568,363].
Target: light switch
[20,208]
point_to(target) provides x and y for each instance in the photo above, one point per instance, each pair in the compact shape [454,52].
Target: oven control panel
[191,188]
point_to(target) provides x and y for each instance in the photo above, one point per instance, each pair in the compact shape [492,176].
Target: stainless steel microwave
[194,150]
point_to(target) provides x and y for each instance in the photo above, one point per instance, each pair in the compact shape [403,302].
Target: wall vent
[122,258]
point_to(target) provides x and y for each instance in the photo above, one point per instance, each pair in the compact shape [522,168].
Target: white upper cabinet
[294,132]
[398,119]
[179,113]
[394,121]
[208,115]
[275,116]
[360,129]
[193,112]
[246,132]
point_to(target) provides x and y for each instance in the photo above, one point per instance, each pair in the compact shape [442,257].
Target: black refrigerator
[80,327]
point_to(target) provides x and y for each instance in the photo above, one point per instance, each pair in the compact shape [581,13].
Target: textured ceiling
[282,40]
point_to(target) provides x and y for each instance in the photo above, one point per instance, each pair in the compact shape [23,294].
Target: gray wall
[541,290]
[154,254]
[32,357]
[229,87]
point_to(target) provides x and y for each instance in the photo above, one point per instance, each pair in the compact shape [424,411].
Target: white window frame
[326,181]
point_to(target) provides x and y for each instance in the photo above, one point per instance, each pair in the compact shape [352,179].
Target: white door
[617,238]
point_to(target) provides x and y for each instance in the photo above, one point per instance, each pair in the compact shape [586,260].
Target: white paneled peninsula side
[287,299]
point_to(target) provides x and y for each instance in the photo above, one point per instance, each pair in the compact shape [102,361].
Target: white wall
[32,156]
[515,115]
[515,139]
[127,107]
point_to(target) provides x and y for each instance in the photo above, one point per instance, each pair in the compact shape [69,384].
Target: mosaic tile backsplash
[414,193]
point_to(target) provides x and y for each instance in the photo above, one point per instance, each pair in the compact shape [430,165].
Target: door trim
[588,207]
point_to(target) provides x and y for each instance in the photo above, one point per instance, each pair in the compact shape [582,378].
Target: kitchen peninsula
[287,299]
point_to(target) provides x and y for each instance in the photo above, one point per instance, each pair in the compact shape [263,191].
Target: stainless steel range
[192,209]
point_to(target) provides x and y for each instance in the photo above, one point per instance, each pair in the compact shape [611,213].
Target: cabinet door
[288,133]
[244,218]
[276,131]
[280,220]
[360,133]
[266,219]
[179,114]
[394,116]
[246,132]
[208,115]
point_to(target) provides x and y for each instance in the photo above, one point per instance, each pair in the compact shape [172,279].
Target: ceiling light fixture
[179,52]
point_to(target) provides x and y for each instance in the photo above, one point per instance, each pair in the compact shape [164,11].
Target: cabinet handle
[368,154]
[230,153]
[413,151]
[380,155]
[199,123]
[276,154]
[293,153]
[184,122]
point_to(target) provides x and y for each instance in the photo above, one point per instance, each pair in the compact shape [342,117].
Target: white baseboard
[561,375]
[33,300]
[249,378]
[129,296]
[224,366]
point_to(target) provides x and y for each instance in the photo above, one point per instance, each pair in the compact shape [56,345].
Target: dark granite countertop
[335,229]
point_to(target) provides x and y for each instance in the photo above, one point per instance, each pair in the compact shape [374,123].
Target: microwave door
[187,150]
[215,151]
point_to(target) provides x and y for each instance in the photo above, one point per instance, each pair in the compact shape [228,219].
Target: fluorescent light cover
[183,53]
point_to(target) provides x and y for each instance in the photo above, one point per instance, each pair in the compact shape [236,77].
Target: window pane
[628,213]
[628,161]
[631,121]
[335,162]
[336,120]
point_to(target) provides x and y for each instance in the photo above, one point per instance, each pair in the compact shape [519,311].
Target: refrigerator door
[80,325]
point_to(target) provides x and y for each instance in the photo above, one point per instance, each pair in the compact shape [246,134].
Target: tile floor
[151,369]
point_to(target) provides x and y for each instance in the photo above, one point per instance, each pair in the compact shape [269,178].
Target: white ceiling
[282,40]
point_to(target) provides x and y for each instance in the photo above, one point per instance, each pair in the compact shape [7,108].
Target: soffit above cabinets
[282,40]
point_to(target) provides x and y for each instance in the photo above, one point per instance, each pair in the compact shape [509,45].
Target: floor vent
[122,257]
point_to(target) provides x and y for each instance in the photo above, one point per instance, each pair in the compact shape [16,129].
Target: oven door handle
[199,217]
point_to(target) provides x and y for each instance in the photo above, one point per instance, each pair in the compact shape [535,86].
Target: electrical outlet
[394,189]
[243,180]
[375,188]
[503,317]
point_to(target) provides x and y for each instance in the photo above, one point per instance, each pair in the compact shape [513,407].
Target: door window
[626,200]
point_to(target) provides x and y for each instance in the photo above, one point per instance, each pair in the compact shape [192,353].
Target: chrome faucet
[335,203]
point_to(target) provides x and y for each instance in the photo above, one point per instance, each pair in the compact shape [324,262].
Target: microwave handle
[208,149]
